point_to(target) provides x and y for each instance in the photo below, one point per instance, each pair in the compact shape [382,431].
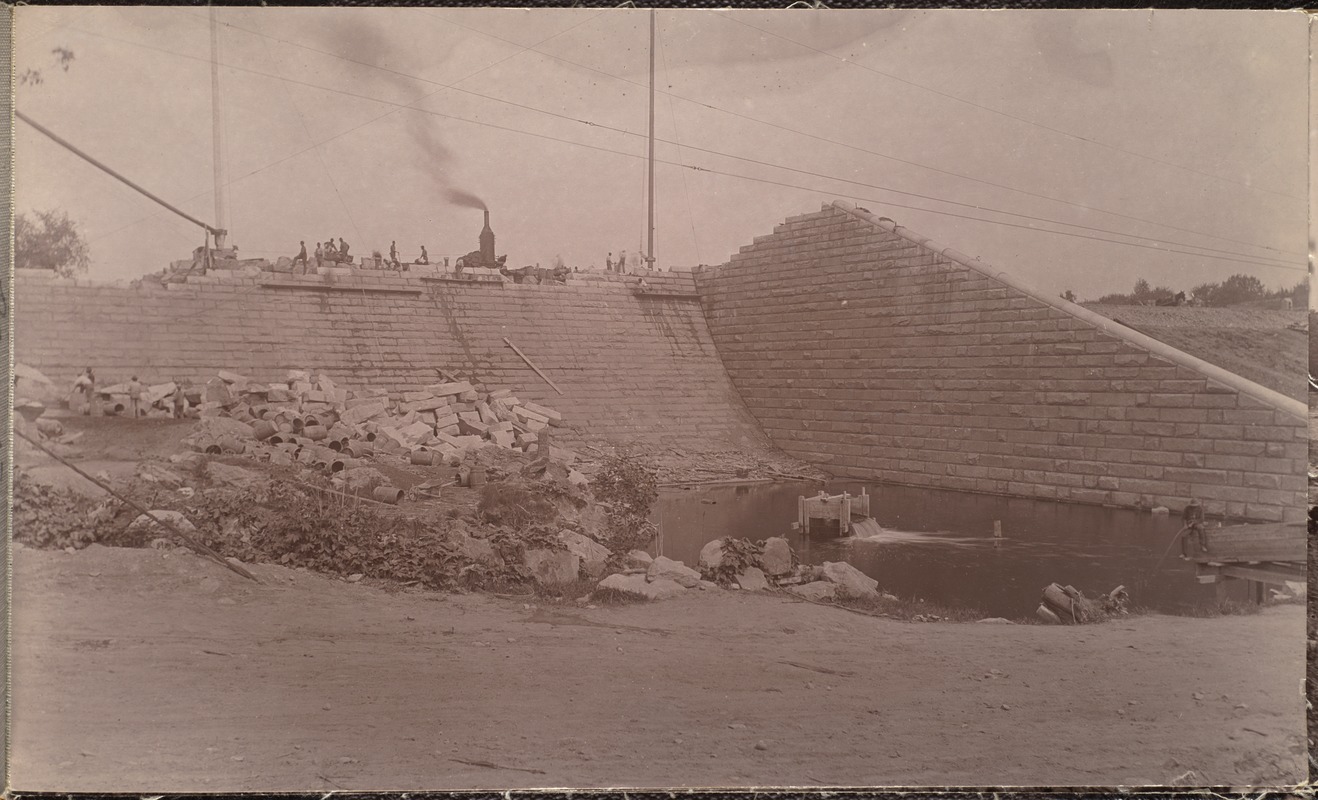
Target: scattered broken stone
[175,518]
[637,559]
[819,590]
[776,558]
[552,568]
[761,745]
[594,556]
[676,571]
[850,581]
[752,580]
[659,589]
[711,556]
[354,577]
[996,621]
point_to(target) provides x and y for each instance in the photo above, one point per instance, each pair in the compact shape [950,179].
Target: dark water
[938,545]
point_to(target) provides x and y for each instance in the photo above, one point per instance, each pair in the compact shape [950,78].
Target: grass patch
[615,597]
[911,610]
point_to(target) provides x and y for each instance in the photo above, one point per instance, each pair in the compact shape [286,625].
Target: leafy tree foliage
[49,240]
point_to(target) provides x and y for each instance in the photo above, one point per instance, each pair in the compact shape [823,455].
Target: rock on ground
[850,581]
[552,567]
[752,580]
[175,518]
[232,476]
[477,550]
[363,480]
[711,556]
[819,590]
[594,556]
[664,567]
[659,589]
[777,557]
[637,559]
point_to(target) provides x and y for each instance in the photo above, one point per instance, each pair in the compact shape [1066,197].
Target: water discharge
[939,545]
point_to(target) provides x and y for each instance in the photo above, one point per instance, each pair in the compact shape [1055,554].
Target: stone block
[666,568]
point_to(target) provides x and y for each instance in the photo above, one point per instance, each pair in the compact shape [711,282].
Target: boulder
[552,568]
[213,429]
[819,590]
[637,559]
[232,476]
[777,557]
[850,581]
[675,571]
[752,580]
[175,518]
[594,556]
[995,621]
[637,585]
[477,550]
[154,473]
[711,556]
[363,480]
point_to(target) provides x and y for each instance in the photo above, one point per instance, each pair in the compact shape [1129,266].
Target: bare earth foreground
[143,670]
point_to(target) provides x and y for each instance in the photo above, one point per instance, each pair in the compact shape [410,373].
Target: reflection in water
[939,545]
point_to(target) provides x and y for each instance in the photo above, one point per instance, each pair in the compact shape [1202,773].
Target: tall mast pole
[217,134]
[649,249]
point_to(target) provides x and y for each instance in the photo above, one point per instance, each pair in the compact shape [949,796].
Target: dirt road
[141,670]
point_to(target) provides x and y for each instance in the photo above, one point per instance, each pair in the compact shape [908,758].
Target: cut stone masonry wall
[633,369]
[870,351]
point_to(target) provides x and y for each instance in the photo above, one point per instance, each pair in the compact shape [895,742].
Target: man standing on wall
[134,397]
[608,262]
[301,256]
[180,400]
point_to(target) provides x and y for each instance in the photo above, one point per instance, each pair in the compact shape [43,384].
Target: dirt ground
[1266,346]
[147,670]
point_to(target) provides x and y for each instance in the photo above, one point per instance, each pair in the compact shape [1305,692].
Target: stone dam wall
[841,338]
[634,369]
[878,355]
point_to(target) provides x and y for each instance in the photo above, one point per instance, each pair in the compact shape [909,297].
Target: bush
[738,554]
[284,524]
[512,504]
[628,489]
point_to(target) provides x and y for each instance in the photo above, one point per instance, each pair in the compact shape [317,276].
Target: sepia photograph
[430,398]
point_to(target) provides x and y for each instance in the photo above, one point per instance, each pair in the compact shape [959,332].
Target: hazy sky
[1186,129]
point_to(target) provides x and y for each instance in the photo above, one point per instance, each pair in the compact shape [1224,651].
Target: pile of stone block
[435,424]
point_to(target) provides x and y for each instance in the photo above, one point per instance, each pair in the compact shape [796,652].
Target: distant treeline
[1235,290]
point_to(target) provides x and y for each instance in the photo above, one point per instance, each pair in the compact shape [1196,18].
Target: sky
[1162,130]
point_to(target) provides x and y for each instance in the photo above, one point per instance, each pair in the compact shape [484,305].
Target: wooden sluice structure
[1272,553]
[848,509]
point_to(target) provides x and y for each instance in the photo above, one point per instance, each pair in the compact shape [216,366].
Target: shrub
[628,489]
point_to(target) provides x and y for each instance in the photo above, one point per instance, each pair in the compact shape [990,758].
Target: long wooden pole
[217,131]
[57,139]
[191,542]
[531,365]
[649,247]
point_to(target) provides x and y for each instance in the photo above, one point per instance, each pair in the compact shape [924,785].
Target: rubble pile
[316,422]
[740,564]
[157,399]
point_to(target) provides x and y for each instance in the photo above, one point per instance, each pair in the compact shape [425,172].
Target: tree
[1068,295]
[1239,288]
[49,240]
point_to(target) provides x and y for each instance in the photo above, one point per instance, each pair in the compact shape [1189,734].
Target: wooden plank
[532,365]
[1264,573]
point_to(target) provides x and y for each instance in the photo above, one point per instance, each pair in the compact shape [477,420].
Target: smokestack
[487,242]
